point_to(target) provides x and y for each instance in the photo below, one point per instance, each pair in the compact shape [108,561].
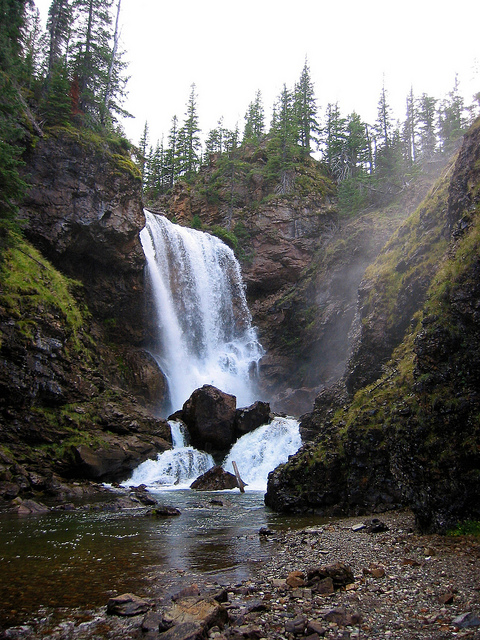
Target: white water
[256,454]
[204,325]
[260,451]
[176,468]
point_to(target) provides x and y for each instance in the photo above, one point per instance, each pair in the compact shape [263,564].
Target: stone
[215,479]
[314,626]
[466,620]
[210,418]
[296,626]
[250,418]
[184,631]
[205,611]
[324,587]
[265,531]
[245,632]
[446,598]
[164,511]
[358,527]
[375,526]
[30,507]
[151,621]
[295,579]
[340,573]
[127,605]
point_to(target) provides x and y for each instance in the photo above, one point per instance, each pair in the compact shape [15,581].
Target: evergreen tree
[215,141]
[334,138]
[142,149]
[426,122]
[284,136]
[189,143]
[306,112]
[452,120]
[59,26]
[254,120]
[171,155]
[409,130]
[12,19]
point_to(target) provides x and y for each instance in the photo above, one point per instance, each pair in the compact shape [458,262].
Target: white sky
[230,49]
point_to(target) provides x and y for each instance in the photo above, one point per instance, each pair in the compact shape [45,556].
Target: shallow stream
[81,558]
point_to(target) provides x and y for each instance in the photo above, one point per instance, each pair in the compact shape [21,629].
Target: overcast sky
[230,49]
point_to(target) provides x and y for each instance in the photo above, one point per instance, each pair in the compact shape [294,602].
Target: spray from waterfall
[205,334]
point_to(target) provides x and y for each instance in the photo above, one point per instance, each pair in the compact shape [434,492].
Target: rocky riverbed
[350,578]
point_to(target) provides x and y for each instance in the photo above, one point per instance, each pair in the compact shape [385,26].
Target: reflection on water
[80,558]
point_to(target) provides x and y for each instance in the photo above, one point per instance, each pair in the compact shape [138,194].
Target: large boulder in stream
[210,418]
[215,479]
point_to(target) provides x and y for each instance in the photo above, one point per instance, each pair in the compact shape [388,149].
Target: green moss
[466,528]
[32,289]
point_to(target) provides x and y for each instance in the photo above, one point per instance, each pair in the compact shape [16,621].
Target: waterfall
[177,467]
[256,454]
[260,451]
[205,335]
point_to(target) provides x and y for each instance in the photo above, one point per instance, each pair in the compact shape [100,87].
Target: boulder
[204,611]
[340,574]
[184,631]
[127,604]
[250,418]
[210,418]
[215,479]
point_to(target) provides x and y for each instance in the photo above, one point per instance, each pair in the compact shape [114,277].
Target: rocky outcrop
[215,479]
[84,212]
[408,436]
[210,418]
[213,421]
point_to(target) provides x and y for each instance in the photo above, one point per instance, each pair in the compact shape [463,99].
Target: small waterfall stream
[256,453]
[205,335]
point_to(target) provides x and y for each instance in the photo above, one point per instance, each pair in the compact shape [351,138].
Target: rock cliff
[77,390]
[302,262]
[402,426]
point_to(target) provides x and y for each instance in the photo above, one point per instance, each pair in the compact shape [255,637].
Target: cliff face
[403,426]
[301,261]
[73,376]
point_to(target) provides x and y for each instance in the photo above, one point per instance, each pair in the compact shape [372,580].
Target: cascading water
[256,454]
[204,325]
[177,467]
[260,451]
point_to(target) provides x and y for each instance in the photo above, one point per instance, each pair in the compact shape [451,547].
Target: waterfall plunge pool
[61,561]
[58,562]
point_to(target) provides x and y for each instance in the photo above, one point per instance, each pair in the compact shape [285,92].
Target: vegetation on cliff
[411,435]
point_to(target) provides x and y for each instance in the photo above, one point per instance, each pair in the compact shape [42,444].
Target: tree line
[369,161]
[71,74]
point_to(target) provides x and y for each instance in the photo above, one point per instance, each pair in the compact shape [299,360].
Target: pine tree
[306,112]
[334,138]
[171,155]
[254,120]
[189,143]
[12,19]
[409,130]
[284,137]
[59,26]
[426,122]
[452,120]
[142,148]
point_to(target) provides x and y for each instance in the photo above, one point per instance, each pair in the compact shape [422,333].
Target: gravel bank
[405,587]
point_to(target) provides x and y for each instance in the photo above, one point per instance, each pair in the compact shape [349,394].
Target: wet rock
[210,417]
[164,511]
[141,494]
[191,590]
[250,418]
[151,621]
[127,605]
[30,507]
[215,479]
[265,531]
